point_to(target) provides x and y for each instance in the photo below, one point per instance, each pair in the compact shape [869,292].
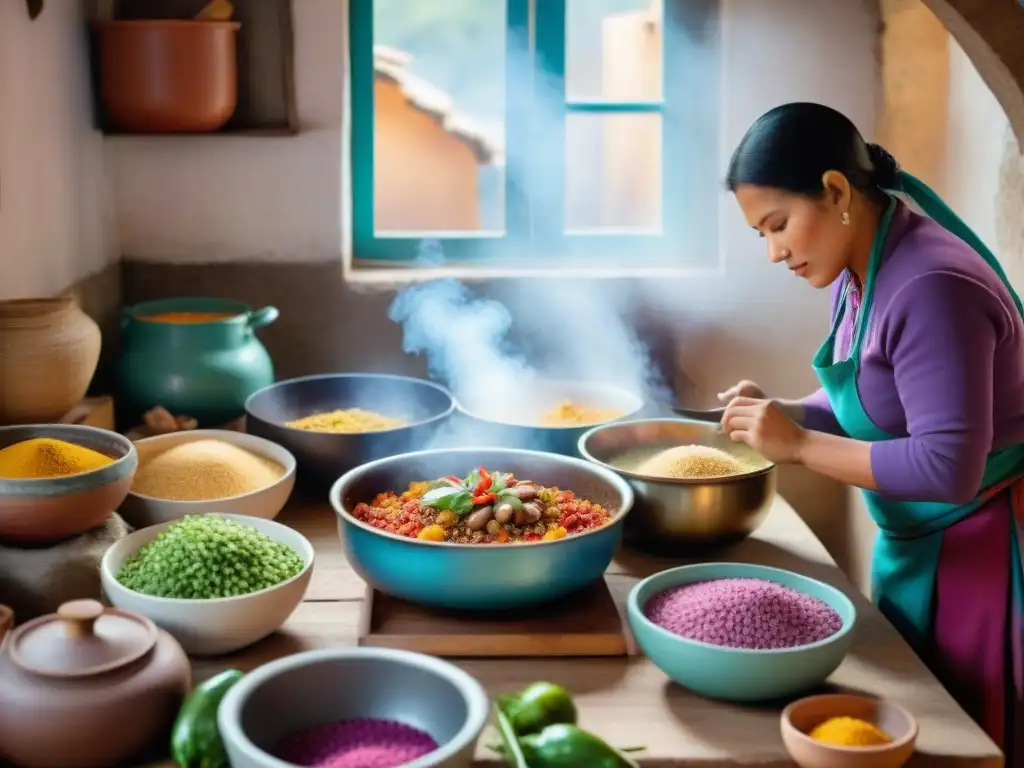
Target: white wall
[974,146]
[56,221]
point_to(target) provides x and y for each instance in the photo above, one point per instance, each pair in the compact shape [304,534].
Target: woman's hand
[765,427]
[745,388]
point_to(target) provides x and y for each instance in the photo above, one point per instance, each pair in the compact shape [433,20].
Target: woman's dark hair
[793,146]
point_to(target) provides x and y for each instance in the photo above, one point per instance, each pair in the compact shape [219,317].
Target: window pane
[439,103]
[613,50]
[613,171]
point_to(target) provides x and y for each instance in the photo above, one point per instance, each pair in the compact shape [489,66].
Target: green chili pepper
[565,746]
[511,750]
[538,705]
[195,740]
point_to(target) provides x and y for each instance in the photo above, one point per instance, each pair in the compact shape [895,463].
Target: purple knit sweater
[942,365]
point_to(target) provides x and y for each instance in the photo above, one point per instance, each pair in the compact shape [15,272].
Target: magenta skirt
[978,643]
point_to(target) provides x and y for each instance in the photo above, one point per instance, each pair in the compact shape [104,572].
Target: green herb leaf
[499,482]
[433,497]
[462,504]
[458,500]
[472,479]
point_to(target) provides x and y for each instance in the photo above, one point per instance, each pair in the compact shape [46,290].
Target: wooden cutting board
[589,623]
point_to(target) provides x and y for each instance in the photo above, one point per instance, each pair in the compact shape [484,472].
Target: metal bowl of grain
[541,416]
[373,415]
[700,506]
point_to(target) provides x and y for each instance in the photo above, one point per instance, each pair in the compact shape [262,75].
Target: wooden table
[630,701]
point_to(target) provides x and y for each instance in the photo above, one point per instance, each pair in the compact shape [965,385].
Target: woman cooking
[922,394]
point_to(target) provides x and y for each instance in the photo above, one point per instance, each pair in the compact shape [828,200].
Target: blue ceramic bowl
[473,576]
[323,456]
[46,510]
[738,674]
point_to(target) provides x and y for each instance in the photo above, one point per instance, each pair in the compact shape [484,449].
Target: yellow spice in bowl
[348,421]
[46,457]
[204,470]
[568,413]
[850,732]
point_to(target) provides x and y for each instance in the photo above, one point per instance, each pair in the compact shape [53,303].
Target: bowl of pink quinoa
[354,708]
[741,632]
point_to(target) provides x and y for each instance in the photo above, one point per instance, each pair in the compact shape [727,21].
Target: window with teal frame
[535,132]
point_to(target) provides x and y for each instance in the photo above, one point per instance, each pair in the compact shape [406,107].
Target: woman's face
[805,234]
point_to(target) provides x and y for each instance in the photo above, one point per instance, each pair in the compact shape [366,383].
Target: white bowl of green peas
[217,583]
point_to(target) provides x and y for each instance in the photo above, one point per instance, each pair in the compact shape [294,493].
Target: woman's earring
[846,219]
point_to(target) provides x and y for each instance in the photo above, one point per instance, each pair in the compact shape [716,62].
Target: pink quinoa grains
[363,743]
[743,613]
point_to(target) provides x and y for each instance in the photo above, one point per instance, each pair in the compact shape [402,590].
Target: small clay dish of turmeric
[60,480]
[847,731]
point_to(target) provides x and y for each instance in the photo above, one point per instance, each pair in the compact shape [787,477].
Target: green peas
[206,556]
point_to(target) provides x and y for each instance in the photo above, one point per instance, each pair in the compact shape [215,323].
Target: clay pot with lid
[88,686]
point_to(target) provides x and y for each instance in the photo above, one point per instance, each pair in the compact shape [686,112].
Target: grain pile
[349,421]
[691,462]
[203,470]
[743,613]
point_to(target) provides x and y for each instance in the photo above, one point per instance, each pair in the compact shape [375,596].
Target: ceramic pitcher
[196,357]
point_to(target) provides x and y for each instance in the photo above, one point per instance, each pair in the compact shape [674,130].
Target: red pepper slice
[454,479]
[484,484]
[485,498]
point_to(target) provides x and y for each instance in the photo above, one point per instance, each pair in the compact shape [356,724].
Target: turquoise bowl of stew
[740,674]
[480,577]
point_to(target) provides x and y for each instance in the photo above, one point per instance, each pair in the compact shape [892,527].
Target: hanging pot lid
[82,639]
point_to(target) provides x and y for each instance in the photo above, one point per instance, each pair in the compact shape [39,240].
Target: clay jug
[88,687]
[49,349]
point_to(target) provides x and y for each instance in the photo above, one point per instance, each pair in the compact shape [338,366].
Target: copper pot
[88,687]
[49,349]
[168,75]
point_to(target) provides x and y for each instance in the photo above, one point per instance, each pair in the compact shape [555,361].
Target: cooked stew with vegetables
[483,508]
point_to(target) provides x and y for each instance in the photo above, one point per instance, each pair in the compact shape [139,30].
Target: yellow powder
[43,457]
[568,413]
[349,421]
[691,462]
[203,470]
[850,732]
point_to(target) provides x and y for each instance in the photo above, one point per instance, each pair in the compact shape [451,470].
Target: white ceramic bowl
[142,511]
[219,625]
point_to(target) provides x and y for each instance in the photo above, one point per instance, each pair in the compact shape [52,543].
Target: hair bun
[884,168]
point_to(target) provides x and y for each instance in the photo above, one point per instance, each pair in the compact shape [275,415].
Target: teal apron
[906,555]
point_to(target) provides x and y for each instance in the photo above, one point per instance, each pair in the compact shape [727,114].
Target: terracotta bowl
[51,509]
[801,717]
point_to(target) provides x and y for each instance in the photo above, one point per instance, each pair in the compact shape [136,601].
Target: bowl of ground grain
[741,632]
[337,421]
[217,583]
[696,490]
[847,731]
[208,471]
[354,707]
[60,480]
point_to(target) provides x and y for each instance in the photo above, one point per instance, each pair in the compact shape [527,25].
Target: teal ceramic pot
[201,365]
[739,674]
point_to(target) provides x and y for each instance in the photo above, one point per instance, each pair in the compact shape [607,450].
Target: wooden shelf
[266,72]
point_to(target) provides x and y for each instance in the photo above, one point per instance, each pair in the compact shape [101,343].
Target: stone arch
[991,32]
